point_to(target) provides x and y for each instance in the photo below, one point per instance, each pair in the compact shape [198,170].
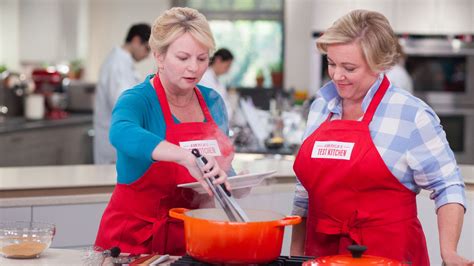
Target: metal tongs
[233,211]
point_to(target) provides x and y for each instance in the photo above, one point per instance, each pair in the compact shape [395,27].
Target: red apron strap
[160,92]
[328,119]
[369,114]
[203,104]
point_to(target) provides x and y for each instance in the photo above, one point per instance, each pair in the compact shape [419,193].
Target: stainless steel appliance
[80,96]
[442,69]
[10,101]
[12,89]
[458,123]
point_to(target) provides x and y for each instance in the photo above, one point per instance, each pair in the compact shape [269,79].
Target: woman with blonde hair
[154,126]
[369,149]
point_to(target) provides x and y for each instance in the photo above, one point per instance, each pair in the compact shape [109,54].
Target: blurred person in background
[398,75]
[368,150]
[117,74]
[219,65]
[154,125]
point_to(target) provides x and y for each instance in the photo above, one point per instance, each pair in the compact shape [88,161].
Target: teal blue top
[138,126]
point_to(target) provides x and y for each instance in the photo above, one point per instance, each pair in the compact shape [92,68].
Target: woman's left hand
[212,169]
[450,220]
[452,258]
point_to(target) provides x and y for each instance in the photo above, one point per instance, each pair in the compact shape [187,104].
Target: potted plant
[75,69]
[277,74]
[3,68]
[259,78]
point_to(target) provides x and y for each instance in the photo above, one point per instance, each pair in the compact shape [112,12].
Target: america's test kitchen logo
[205,147]
[332,150]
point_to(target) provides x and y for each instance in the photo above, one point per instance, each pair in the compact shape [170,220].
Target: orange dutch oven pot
[211,238]
[355,258]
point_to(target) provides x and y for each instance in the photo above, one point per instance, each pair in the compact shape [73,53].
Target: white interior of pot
[219,215]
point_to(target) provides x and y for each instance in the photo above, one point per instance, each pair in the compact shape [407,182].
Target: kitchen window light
[251,29]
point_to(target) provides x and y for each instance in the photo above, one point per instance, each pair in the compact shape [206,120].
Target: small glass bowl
[25,240]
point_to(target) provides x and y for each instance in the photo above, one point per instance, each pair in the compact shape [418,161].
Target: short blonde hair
[372,31]
[177,21]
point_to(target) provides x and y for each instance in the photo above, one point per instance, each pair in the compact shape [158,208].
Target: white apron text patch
[205,147]
[332,150]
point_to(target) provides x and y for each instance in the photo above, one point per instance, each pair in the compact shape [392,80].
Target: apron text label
[332,150]
[205,147]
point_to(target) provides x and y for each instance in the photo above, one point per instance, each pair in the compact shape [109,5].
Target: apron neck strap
[328,119]
[369,114]
[160,92]
[202,103]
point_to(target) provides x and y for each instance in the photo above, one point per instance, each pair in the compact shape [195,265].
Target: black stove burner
[280,261]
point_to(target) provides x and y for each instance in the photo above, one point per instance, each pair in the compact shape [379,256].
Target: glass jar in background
[34,106]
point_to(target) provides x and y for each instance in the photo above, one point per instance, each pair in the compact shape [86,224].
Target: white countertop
[97,181]
[49,257]
[467,172]
[62,176]
[61,257]
[74,176]
[89,177]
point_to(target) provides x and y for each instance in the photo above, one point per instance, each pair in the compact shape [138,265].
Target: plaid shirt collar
[329,93]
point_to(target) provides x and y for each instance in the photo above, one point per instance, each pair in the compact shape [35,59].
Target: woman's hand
[298,238]
[450,220]
[452,258]
[189,162]
[211,169]
[166,151]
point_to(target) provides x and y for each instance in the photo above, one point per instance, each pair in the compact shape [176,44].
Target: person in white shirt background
[219,65]
[117,73]
[398,75]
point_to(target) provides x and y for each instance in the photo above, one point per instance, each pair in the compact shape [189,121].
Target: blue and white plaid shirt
[407,134]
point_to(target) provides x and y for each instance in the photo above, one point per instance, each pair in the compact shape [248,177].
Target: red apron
[353,196]
[136,218]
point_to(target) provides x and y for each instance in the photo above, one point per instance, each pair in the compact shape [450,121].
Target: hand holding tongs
[233,211]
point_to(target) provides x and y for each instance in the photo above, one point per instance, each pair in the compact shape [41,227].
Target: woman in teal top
[154,127]
[139,106]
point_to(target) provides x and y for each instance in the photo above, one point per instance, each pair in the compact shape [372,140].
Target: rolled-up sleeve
[433,162]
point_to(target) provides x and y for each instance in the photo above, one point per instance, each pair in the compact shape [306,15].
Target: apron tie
[348,227]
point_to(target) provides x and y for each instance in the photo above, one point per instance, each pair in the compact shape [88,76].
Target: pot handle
[178,213]
[289,220]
